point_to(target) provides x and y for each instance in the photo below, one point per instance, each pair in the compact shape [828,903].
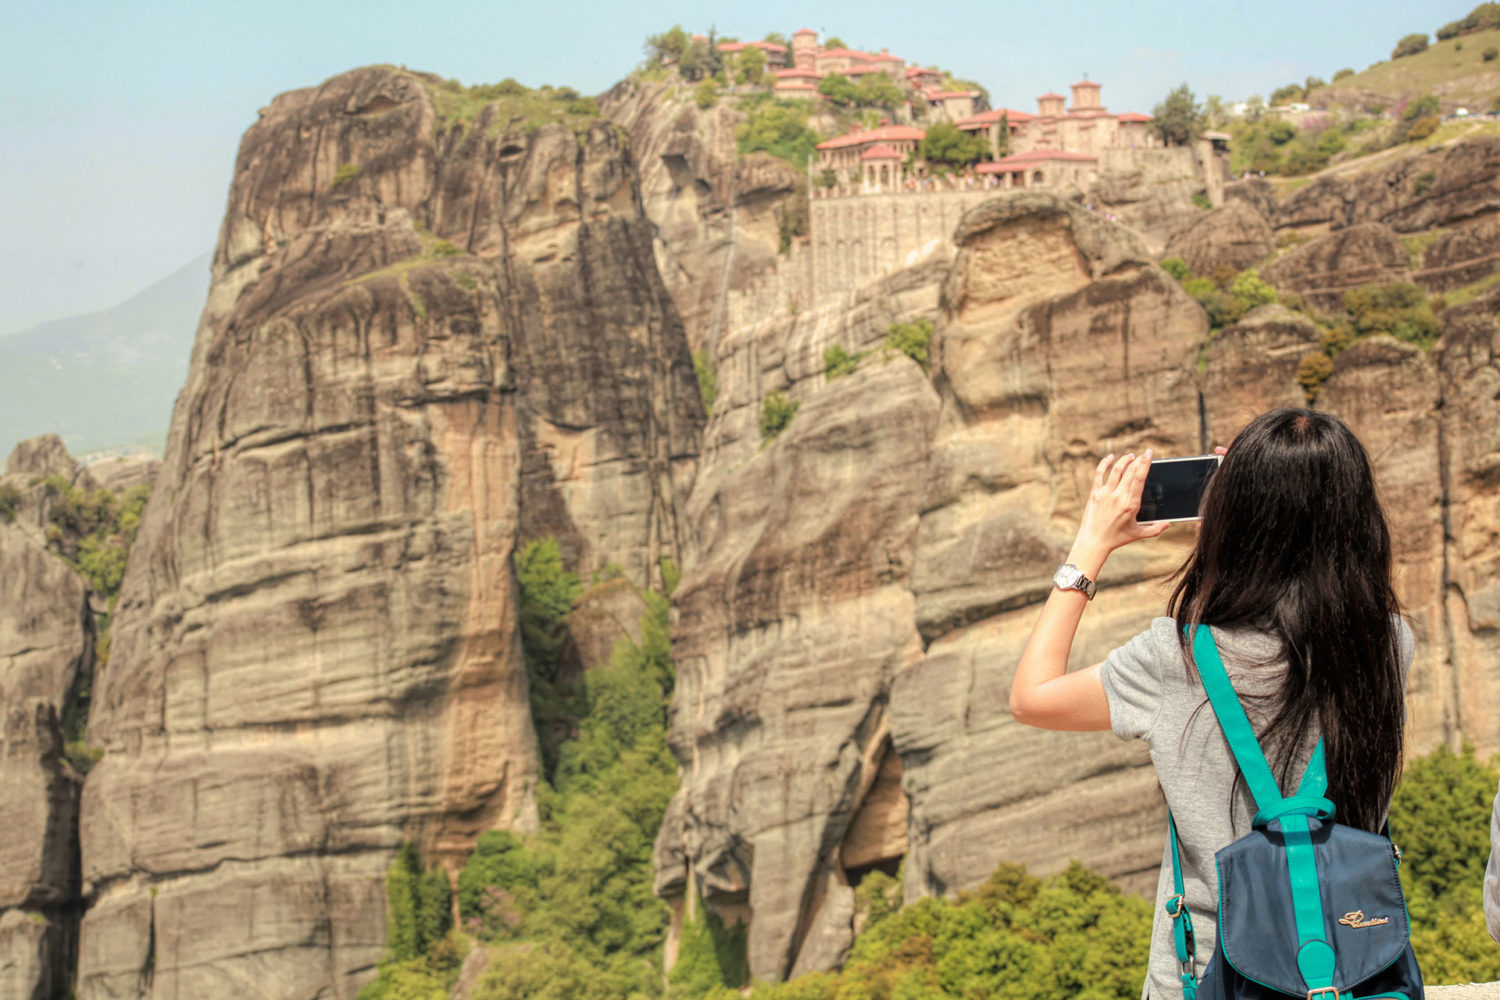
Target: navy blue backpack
[1308,908]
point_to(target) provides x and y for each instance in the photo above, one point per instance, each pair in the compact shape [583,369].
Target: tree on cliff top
[1410,45]
[1178,120]
[946,144]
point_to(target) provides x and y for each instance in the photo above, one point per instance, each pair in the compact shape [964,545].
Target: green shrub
[1251,290]
[10,501]
[793,218]
[777,127]
[444,248]
[837,361]
[708,380]
[1423,127]
[1201,200]
[710,957]
[1176,267]
[547,593]
[706,93]
[911,339]
[1422,183]
[1410,45]
[1491,54]
[1401,310]
[775,413]
[1312,371]
[1346,71]
[345,173]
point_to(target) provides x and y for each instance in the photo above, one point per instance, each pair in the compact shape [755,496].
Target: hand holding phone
[1174,488]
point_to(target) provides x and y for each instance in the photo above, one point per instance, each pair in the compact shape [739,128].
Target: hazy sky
[121,118]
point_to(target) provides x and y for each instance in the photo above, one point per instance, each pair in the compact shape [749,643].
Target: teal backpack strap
[1315,958]
[1182,920]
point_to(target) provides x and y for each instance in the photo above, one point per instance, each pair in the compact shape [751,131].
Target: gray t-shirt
[1153,697]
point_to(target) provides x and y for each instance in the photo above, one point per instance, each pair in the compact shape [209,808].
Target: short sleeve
[1132,679]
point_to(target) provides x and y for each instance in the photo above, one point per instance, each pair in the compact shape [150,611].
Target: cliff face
[816,663]
[717,216]
[46,656]
[424,344]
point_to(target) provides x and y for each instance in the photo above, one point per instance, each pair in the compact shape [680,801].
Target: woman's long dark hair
[1293,543]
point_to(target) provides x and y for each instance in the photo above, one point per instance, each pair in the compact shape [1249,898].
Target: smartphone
[1174,488]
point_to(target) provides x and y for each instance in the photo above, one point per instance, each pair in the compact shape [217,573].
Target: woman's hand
[1109,517]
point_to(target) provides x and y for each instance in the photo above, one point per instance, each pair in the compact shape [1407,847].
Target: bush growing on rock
[1400,309]
[837,361]
[911,339]
[706,93]
[1410,45]
[775,413]
[10,499]
[777,127]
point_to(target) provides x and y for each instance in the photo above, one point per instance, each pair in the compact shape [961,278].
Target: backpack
[1307,907]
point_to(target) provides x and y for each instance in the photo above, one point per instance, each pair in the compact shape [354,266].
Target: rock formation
[1367,253]
[1234,236]
[425,342]
[717,215]
[46,660]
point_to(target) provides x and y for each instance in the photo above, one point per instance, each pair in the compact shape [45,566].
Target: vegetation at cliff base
[1440,818]
[569,910]
[1015,937]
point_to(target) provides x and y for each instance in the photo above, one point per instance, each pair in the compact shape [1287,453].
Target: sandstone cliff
[816,662]
[426,340]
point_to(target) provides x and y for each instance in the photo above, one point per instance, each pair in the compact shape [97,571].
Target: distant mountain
[1455,70]
[104,379]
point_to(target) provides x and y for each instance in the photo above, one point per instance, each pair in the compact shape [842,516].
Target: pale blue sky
[121,118]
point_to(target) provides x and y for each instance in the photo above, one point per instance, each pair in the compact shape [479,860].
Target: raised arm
[1043,693]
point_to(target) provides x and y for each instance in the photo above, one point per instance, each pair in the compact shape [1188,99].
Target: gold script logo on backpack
[1357,919]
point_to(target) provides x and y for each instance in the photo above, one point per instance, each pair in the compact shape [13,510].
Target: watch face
[1067,577]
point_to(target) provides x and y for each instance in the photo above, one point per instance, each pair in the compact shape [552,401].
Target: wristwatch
[1070,577]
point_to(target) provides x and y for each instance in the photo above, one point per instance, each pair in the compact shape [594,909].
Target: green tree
[670,44]
[1346,71]
[1410,45]
[1177,120]
[911,339]
[547,593]
[776,38]
[834,43]
[710,957]
[838,362]
[946,144]
[839,89]
[1287,95]
[1176,267]
[751,67]
[780,129]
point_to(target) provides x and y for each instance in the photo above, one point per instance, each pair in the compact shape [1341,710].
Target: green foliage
[751,67]
[1419,119]
[1491,54]
[1016,937]
[1249,288]
[10,500]
[1346,71]
[946,144]
[839,89]
[94,530]
[1178,119]
[706,93]
[1440,817]
[402,939]
[1312,371]
[577,896]
[345,173]
[708,381]
[1201,200]
[834,43]
[1287,95]
[1227,295]
[775,413]
[1485,17]
[1423,127]
[911,339]
[778,127]
[412,979]
[837,361]
[710,957]
[1422,183]
[1410,45]
[510,104]
[670,44]
[1176,267]
[877,896]
[444,248]
[1398,309]
[548,591]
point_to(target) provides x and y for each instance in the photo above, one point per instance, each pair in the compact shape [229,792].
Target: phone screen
[1174,488]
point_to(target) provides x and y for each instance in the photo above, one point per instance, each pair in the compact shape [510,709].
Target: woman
[1292,572]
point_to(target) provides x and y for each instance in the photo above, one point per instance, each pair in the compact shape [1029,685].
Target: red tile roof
[887,57]
[740,46]
[844,54]
[1052,97]
[1087,83]
[881,153]
[1134,116]
[804,31]
[994,115]
[1021,161]
[891,133]
[919,70]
